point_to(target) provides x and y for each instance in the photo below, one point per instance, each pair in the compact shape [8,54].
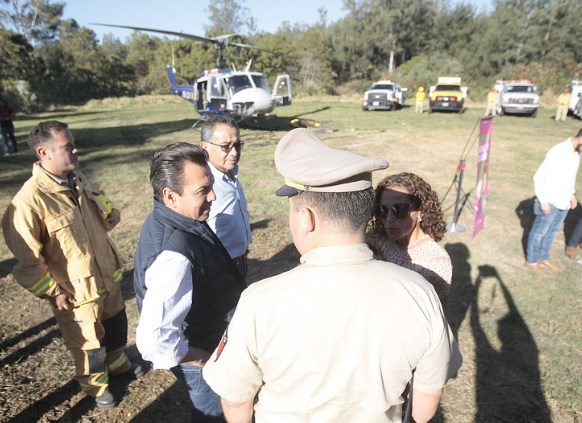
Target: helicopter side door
[218,95]
[282,90]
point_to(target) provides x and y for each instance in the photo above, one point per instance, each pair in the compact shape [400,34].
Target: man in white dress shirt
[186,285]
[555,188]
[229,217]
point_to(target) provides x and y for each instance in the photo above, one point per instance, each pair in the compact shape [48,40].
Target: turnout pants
[96,334]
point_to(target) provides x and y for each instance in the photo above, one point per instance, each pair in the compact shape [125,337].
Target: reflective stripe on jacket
[60,239]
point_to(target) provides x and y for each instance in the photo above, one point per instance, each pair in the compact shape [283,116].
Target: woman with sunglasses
[407,224]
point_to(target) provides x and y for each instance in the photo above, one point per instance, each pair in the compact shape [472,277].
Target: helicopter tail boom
[184,91]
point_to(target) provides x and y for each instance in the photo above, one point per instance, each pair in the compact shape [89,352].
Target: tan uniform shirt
[334,340]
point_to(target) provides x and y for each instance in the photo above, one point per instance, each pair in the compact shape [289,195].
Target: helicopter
[239,93]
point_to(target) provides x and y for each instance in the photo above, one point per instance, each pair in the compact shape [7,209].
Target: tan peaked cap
[309,164]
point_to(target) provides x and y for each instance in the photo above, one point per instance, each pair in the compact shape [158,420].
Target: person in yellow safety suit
[420,96]
[492,99]
[56,227]
[563,104]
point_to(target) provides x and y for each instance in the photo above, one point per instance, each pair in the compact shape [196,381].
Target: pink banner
[482,188]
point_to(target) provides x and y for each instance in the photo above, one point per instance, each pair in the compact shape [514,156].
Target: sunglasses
[227,147]
[398,210]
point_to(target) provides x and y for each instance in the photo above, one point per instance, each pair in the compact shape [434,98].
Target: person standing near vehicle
[420,96]
[337,338]
[555,189]
[492,99]
[56,226]
[7,127]
[563,103]
[229,216]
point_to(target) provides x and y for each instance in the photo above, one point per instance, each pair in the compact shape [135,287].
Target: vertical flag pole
[455,226]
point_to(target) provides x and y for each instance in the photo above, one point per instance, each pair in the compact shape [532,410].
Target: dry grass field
[520,334]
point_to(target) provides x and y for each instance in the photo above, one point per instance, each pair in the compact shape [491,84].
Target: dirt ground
[36,370]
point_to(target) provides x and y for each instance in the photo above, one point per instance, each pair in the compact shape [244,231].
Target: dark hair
[423,197]
[167,167]
[579,134]
[346,210]
[43,133]
[211,122]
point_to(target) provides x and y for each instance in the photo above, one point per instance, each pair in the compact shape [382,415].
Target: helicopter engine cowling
[252,101]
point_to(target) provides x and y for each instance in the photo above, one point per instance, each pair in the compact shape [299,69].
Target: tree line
[48,60]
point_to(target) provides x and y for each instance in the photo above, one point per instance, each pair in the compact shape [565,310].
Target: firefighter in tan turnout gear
[56,227]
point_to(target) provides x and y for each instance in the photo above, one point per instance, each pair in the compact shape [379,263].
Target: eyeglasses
[398,210]
[226,148]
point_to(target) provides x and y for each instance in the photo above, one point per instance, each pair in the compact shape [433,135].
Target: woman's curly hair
[423,197]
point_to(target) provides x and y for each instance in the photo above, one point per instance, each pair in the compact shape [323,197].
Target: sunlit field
[520,333]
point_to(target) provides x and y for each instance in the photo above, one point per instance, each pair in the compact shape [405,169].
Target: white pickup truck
[384,95]
[519,98]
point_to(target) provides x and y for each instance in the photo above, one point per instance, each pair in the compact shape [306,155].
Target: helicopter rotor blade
[161,31]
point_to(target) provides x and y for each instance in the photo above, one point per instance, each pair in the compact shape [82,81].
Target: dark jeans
[8,131]
[576,237]
[207,407]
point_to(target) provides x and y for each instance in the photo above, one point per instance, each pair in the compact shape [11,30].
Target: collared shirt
[555,179]
[334,340]
[229,217]
[168,299]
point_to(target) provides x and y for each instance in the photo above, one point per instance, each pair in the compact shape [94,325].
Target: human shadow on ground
[284,260]
[6,267]
[525,213]
[172,399]
[571,220]
[59,397]
[31,348]
[508,385]
[462,290]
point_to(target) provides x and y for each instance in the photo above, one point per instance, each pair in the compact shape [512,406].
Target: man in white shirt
[229,217]
[555,188]
[186,285]
[338,338]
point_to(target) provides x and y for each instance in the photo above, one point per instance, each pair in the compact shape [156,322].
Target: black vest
[217,284]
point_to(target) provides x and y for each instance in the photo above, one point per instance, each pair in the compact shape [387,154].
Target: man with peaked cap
[337,338]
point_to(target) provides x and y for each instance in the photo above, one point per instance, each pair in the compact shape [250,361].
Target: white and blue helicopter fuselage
[238,93]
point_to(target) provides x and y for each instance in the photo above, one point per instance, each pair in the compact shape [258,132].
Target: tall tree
[38,20]
[228,17]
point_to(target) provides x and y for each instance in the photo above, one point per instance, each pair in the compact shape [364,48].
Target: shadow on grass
[284,260]
[94,140]
[571,220]
[167,404]
[6,266]
[507,371]
[462,290]
[118,385]
[525,213]
[508,381]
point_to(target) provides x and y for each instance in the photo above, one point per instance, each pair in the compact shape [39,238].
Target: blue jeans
[207,407]
[541,235]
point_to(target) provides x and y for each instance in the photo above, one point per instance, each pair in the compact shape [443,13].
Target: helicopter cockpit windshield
[261,81]
[239,82]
